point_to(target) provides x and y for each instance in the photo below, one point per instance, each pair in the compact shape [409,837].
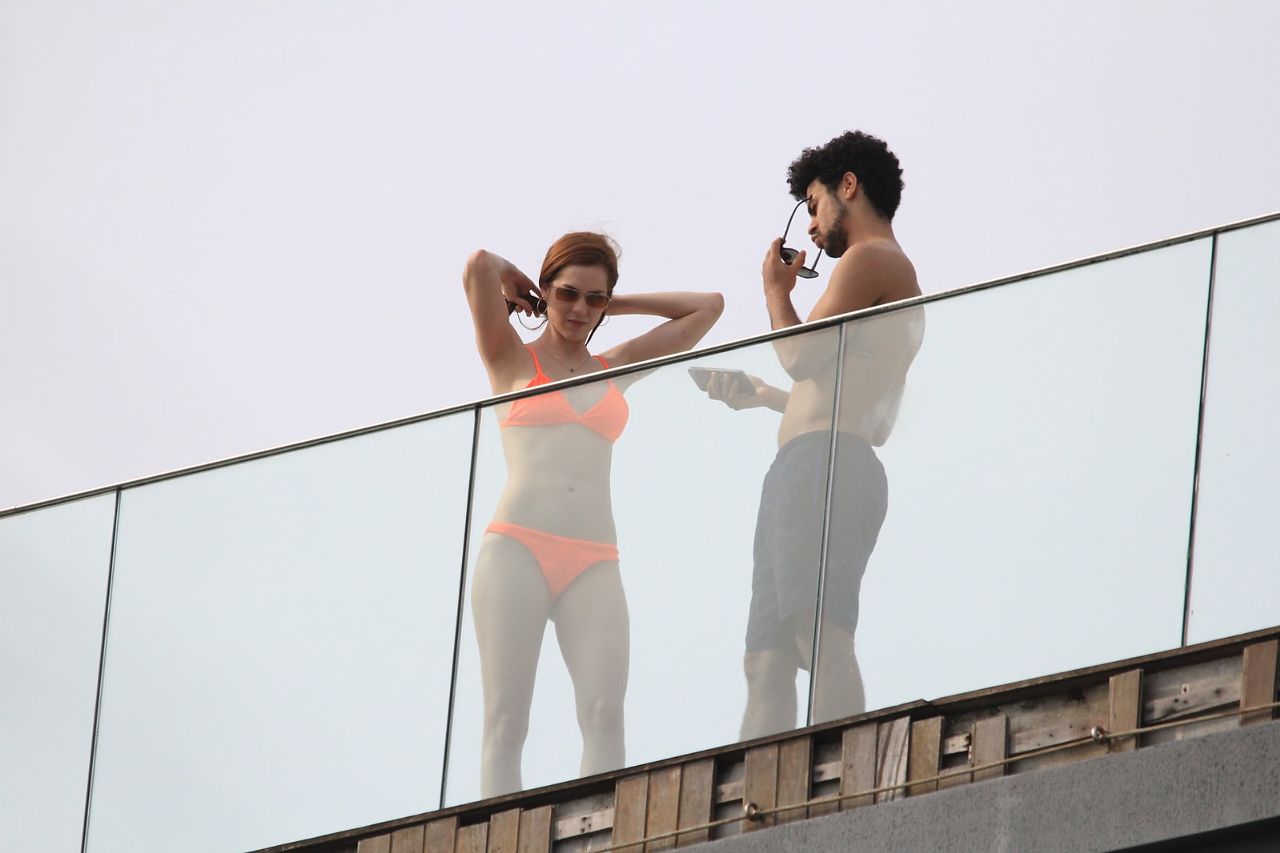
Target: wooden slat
[955,774]
[664,807]
[826,766]
[440,835]
[1057,719]
[407,840]
[1126,709]
[891,757]
[630,802]
[1258,682]
[586,816]
[380,844]
[504,831]
[760,782]
[1186,691]
[535,830]
[697,789]
[924,756]
[795,777]
[990,743]
[857,764]
[472,839]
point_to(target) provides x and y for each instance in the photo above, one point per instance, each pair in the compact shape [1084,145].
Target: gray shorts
[788,541]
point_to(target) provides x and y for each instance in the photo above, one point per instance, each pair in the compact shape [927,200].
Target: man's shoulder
[874,272]
[883,257]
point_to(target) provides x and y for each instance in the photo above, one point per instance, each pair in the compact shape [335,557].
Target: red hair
[580,249]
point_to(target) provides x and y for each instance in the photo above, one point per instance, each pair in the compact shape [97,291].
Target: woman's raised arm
[490,282]
[689,317]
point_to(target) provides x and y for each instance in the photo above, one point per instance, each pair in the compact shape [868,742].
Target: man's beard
[836,242]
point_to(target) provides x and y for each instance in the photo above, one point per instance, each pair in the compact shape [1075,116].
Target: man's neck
[869,228]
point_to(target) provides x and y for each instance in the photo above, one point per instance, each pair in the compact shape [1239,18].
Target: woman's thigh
[594,632]
[509,606]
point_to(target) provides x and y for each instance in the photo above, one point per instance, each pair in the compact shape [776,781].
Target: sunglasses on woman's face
[570,295]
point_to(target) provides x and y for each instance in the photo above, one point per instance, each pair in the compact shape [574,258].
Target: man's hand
[726,388]
[779,276]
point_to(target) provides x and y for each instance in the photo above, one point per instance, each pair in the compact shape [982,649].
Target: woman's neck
[572,355]
[562,347]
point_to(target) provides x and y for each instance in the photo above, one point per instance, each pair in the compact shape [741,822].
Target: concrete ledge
[1155,794]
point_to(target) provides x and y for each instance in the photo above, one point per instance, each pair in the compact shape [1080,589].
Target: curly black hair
[867,156]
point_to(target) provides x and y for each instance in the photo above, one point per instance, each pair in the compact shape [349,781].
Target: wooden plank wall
[921,750]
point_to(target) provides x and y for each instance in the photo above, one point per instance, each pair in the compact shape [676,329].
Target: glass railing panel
[53,581]
[1234,584]
[1038,478]
[281,642]
[667,628]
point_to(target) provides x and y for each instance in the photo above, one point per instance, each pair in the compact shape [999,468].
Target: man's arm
[763,395]
[867,274]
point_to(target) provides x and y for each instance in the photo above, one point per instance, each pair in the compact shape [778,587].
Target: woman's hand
[518,289]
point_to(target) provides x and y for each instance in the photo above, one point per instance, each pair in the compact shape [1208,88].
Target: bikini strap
[537,365]
[600,359]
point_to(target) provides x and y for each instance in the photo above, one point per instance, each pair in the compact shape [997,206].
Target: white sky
[229,226]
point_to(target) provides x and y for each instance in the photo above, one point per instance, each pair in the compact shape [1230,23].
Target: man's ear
[848,186]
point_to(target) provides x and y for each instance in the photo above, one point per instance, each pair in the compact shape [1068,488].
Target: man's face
[827,219]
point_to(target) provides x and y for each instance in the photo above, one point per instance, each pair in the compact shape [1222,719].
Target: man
[851,187]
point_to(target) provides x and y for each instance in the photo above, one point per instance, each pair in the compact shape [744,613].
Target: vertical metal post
[1195,476]
[102,662]
[462,592]
[826,525]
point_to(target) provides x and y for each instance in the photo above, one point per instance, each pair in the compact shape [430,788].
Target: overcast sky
[229,226]
[235,225]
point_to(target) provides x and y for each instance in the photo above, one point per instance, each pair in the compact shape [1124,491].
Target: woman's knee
[601,714]
[507,723]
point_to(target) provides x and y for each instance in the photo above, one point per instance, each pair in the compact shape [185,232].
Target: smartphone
[739,382]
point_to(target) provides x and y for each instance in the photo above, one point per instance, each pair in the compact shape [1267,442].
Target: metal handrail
[650,364]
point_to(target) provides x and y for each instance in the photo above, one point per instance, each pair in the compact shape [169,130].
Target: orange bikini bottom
[561,559]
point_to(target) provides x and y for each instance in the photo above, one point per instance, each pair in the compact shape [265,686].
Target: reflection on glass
[280,645]
[1235,585]
[53,582]
[1039,478]
[686,477]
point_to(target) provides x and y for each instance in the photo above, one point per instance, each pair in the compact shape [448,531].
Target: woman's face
[567,298]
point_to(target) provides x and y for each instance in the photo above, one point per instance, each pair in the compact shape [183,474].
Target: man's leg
[771,693]
[857,507]
[838,690]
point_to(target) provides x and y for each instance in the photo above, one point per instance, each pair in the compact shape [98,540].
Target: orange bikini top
[608,416]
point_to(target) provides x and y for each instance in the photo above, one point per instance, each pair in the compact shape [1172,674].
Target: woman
[551,551]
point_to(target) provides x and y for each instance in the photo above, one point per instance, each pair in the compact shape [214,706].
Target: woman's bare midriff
[558,482]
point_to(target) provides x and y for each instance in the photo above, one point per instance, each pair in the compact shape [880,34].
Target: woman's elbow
[715,304]
[477,264]
[707,315]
